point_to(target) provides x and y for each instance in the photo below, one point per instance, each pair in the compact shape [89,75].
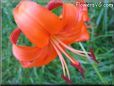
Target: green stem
[93,65]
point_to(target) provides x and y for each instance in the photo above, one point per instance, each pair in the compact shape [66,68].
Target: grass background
[102,40]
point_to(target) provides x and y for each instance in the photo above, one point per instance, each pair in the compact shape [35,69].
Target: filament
[61,49]
[71,49]
[64,65]
[60,57]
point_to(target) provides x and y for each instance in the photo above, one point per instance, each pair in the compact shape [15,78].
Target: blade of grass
[105,23]
[99,17]
[93,65]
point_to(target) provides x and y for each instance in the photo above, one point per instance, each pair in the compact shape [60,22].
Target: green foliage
[102,40]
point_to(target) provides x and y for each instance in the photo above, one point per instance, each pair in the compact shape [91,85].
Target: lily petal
[32,30]
[22,53]
[43,59]
[70,15]
[39,15]
[74,35]
[73,23]
[27,55]
[84,9]
[84,35]
[54,4]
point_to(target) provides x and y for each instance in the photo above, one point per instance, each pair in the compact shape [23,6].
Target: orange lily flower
[50,34]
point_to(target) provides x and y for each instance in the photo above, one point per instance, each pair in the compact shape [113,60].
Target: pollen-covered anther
[92,55]
[79,67]
[66,79]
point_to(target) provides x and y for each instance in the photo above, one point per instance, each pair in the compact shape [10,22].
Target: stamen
[68,46]
[62,61]
[80,69]
[66,79]
[73,61]
[92,55]
[71,49]
[66,69]
[60,57]
[67,55]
